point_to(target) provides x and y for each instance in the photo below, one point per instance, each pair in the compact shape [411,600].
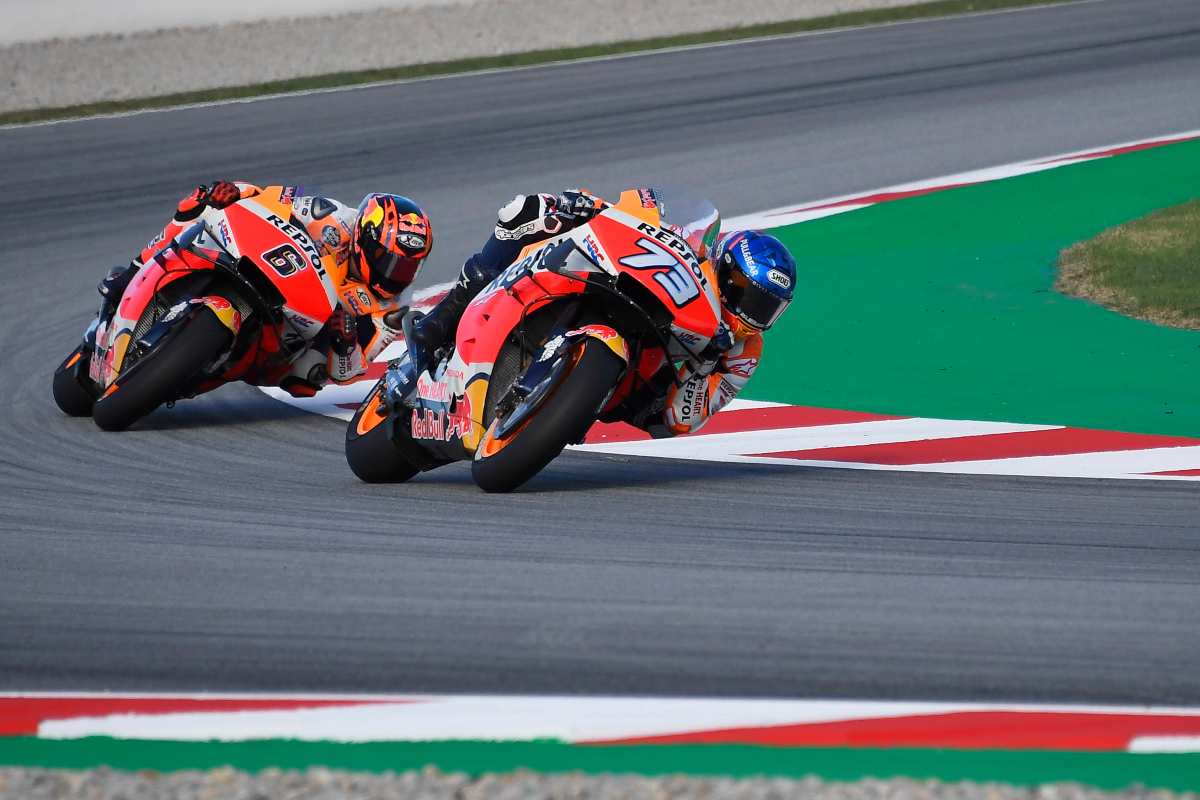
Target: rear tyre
[369,449]
[564,417]
[74,395]
[163,373]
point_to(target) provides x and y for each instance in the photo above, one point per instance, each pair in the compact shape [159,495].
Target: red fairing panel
[285,258]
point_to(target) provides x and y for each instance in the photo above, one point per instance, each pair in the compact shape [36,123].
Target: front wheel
[502,465]
[370,452]
[164,373]
[74,394]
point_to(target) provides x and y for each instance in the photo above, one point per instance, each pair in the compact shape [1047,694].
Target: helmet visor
[390,271]
[751,302]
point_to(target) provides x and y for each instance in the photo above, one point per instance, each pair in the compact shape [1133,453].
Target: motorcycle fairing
[262,231]
[445,413]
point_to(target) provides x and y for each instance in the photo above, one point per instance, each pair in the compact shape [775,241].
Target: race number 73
[674,277]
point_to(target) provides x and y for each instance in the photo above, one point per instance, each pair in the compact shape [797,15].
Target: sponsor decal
[693,396]
[779,279]
[301,238]
[157,240]
[432,390]
[674,277]
[552,346]
[687,337]
[593,248]
[726,391]
[441,426]
[331,236]
[302,322]
[679,246]
[288,195]
[411,241]
[742,367]
[746,254]
[647,198]
[285,259]
[223,232]
[175,310]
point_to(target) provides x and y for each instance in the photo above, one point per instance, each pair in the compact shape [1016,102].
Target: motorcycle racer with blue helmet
[756,278]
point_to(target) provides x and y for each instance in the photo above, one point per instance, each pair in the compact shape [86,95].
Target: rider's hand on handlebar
[576,206]
[343,330]
[221,194]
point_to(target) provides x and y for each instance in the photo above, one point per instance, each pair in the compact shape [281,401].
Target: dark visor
[751,302]
[390,271]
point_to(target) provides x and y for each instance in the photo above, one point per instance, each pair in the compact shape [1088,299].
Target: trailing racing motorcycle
[239,295]
[563,336]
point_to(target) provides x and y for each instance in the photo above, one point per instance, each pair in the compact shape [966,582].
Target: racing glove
[221,194]
[343,331]
[575,207]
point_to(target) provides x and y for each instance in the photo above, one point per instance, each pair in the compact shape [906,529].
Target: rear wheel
[163,373]
[75,395]
[502,465]
[370,452]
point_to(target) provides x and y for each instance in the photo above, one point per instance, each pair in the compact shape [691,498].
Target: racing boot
[110,289]
[428,333]
[114,285]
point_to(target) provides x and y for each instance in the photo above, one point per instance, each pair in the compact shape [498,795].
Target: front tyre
[74,394]
[502,465]
[164,373]
[369,449]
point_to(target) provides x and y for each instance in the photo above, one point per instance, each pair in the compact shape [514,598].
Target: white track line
[522,718]
[888,431]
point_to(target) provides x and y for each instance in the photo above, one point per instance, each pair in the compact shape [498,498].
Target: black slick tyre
[563,418]
[74,395]
[369,449]
[164,373]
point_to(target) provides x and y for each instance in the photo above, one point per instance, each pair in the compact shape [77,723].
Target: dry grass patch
[1148,268]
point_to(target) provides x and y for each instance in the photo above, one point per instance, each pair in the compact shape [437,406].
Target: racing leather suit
[663,408]
[358,330]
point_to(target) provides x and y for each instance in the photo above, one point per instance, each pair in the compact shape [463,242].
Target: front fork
[538,381]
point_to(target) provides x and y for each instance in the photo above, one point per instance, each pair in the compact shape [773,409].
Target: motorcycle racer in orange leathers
[378,248]
[756,277]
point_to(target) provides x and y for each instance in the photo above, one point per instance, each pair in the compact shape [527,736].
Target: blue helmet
[756,275]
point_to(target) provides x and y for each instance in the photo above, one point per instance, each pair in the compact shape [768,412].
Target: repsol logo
[301,238]
[678,245]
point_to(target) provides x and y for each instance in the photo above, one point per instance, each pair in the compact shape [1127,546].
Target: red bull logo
[442,426]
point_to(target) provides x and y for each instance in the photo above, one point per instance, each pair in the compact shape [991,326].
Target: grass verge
[1148,268]
[939,8]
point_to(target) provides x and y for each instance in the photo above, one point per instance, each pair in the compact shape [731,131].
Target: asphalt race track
[224,545]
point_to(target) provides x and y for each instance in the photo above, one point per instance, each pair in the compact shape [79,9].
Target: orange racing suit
[663,408]
[363,314]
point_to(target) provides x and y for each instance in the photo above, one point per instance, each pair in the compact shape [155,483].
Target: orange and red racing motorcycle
[560,338]
[239,295]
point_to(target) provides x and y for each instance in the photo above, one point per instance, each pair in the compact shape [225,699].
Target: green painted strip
[1177,771]
[942,306]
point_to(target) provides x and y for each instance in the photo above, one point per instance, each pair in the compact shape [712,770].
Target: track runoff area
[930,339]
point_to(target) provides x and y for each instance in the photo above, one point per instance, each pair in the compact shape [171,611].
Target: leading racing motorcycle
[567,333]
[239,295]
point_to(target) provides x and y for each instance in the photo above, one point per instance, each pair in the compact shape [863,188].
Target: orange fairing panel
[675,279]
[288,257]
